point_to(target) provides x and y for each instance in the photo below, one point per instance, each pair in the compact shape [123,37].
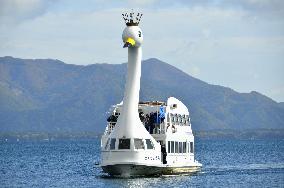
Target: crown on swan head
[132,19]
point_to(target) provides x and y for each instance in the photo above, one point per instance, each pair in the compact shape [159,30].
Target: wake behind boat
[146,138]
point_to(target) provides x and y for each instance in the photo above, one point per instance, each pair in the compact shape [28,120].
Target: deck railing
[158,128]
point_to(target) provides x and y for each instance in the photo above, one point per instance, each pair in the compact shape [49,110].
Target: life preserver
[173,128]
[167,128]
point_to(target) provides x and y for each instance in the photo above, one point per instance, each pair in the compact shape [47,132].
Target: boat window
[187,121]
[149,144]
[173,119]
[112,144]
[188,147]
[169,146]
[191,147]
[176,147]
[172,146]
[180,118]
[124,143]
[184,147]
[180,147]
[107,144]
[138,143]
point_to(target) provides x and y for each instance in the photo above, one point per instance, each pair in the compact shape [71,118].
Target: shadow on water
[107,176]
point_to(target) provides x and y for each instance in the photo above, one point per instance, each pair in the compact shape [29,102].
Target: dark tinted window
[138,143]
[169,147]
[172,146]
[112,144]
[149,144]
[188,147]
[191,147]
[184,147]
[124,144]
[180,147]
[176,147]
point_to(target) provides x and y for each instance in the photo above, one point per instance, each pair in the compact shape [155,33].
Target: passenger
[152,122]
[142,117]
[162,114]
[164,153]
[147,122]
[162,119]
[156,117]
[112,118]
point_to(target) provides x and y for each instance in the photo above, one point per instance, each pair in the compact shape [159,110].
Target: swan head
[132,36]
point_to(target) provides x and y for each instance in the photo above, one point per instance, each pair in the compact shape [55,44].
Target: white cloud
[142,3]
[16,11]
[225,43]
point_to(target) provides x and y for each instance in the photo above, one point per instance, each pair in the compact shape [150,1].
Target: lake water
[226,163]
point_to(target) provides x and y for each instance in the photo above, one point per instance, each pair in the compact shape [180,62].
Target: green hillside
[45,95]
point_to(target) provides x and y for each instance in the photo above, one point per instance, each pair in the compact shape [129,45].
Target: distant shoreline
[241,134]
[203,135]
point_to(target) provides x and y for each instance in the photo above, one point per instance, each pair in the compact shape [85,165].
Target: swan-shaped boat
[145,138]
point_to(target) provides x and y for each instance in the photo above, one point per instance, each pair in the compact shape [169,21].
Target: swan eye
[139,33]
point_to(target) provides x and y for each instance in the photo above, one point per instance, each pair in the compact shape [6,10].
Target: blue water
[226,163]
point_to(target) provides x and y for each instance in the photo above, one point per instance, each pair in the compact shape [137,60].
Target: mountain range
[46,95]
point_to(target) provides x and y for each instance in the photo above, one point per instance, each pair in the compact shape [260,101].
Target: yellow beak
[129,42]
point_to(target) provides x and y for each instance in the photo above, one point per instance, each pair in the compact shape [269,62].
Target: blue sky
[238,44]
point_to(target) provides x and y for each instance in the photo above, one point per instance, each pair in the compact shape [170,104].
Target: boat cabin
[168,123]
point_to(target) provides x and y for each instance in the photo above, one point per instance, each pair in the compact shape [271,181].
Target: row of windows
[180,147]
[180,119]
[124,143]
